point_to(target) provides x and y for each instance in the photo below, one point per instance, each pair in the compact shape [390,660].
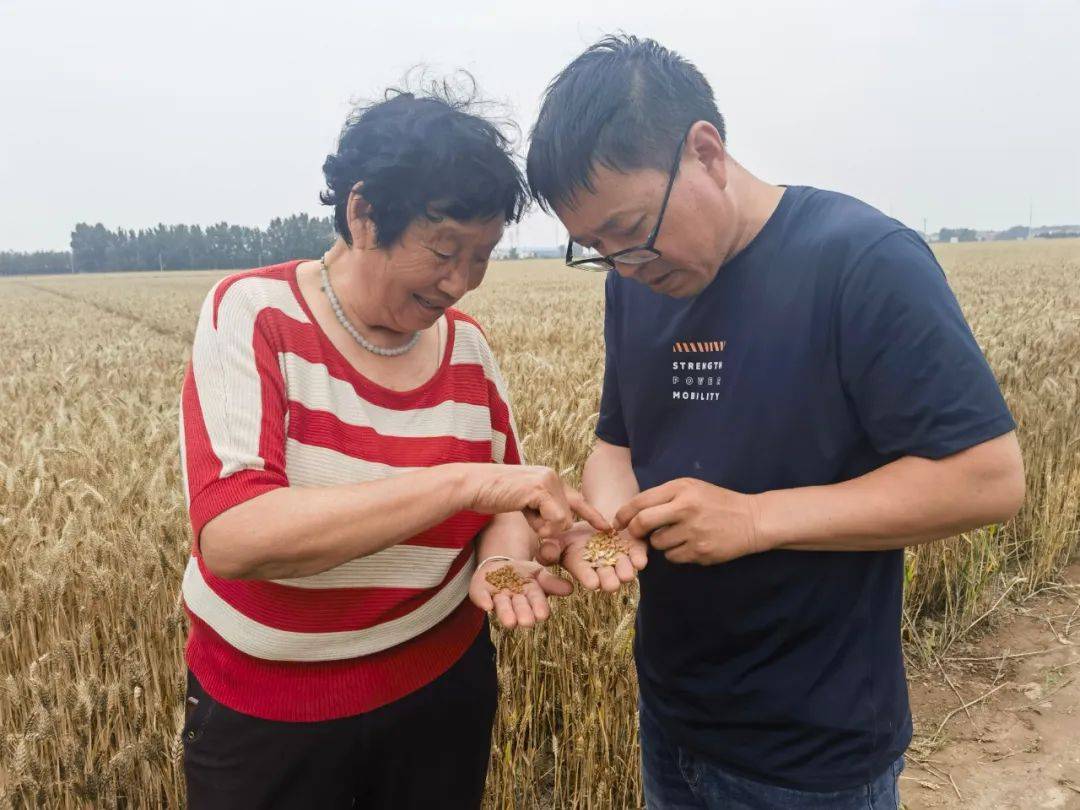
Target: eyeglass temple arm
[667,192]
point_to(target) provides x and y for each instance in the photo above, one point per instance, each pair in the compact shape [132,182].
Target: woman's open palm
[524,609]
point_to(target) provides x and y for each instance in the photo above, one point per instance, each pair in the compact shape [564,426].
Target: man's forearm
[608,480]
[910,501]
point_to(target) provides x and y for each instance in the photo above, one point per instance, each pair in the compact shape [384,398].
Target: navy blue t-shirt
[830,346]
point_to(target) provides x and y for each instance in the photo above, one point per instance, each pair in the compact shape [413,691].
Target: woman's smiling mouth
[426,304]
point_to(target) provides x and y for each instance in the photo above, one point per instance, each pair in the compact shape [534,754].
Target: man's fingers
[624,569]
[648,520]
[666,538]
[681,554]
[643,500]
[585,510]
[609,581]
[504,610]
[553,585]
[579,569]
[639,554]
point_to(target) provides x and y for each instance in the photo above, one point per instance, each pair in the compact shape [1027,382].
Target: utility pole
[1031,207]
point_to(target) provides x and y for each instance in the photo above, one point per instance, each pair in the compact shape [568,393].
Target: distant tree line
[95,248]
[1053,232]
[41,261]
[959,234]
[1016,232]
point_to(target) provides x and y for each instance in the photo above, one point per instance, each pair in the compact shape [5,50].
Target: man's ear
[707,147]
[358,217]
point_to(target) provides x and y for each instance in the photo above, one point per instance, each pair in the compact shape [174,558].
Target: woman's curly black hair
[428,153]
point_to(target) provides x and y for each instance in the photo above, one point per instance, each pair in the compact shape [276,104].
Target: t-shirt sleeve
[610,426]
[232,409]
[909,363]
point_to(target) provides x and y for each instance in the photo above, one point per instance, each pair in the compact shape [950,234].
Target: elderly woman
[349,454]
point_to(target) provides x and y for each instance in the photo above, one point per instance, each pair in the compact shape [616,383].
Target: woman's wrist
[457,485]
[495,558]
[507,535]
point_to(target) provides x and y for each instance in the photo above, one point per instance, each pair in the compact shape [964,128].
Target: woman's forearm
[508,535]
[301,531]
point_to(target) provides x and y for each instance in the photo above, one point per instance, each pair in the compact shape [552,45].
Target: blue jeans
[676,779]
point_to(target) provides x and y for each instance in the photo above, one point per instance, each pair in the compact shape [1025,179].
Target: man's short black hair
[624,103]
[429,153]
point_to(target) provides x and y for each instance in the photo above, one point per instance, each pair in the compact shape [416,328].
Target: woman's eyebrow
[486,250]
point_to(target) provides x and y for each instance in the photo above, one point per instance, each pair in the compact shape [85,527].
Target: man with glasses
[791,397]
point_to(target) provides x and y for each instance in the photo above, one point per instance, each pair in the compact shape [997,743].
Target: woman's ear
[358,216]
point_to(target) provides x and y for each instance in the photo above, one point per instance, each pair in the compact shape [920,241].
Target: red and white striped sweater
[269,402]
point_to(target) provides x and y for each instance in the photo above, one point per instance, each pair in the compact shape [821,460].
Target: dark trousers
[429,749]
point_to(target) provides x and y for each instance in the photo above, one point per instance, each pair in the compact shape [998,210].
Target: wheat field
[93,534]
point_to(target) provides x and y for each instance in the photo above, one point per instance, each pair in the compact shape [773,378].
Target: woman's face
[431,267]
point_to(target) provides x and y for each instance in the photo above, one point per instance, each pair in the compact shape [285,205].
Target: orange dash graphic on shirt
[699,346]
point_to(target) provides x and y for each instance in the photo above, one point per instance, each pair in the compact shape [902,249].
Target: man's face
[623,209]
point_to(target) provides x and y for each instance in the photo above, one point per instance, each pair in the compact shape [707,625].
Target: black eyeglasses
[639,254]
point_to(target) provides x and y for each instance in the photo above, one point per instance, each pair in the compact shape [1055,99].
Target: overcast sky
[133,113]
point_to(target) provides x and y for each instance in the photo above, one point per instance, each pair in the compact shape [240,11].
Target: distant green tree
[960,234]
[90,247]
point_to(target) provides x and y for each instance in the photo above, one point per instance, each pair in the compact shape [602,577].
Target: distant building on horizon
[509,253]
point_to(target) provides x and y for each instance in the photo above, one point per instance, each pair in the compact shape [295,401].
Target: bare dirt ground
[1017,742]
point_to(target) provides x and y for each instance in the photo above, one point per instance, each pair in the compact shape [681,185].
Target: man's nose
[632,271]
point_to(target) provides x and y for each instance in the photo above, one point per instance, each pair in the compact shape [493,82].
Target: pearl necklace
[345,322]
